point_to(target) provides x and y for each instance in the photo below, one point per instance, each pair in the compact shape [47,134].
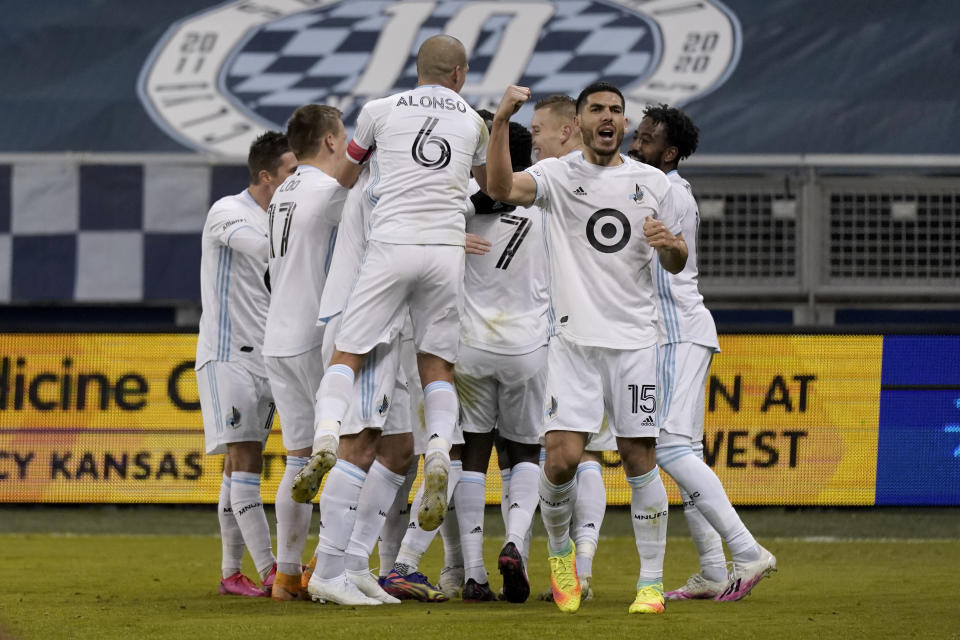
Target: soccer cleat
[412,587]
[306,571]
[240,585]
[563,580]
[339,590]
[451,581]
[433,505]
[586,588]
[286,587]
[745,576]
[267,584]
[696,588]
[306,484]
[516,586]
[649,599]
[473,591]
[368,586]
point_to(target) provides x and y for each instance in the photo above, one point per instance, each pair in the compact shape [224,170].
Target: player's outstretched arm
[502,183]
[671,249]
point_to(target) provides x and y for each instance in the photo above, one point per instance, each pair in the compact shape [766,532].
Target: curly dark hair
[521,142]
[680,130]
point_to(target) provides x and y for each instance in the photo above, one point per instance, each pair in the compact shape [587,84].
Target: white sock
[231,537]
[505,476]
[648,507]
[333,399]
[398,517]
[378,493]
[248,510]
[293,520]
[450,534]
[556,510]
[338,513]
[524,495]
[703,486]
[588,514]
[416,541]
[470,497]
[709,544]
[440,411]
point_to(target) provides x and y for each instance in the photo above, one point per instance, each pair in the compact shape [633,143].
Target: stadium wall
[830,420]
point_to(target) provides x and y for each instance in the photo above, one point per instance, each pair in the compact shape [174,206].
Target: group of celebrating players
[425,291]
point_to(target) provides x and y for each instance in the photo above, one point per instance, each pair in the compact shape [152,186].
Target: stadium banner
[790,420]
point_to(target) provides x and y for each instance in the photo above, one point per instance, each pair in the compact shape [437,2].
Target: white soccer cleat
[306,484]
[696,588]
[367,583]
[451,581]
[433,506]
[338,590]
[745,576]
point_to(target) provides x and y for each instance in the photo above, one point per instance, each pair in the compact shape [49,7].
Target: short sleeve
[671,210]
[223,222]
[480,156]
[540,177]
[360,148]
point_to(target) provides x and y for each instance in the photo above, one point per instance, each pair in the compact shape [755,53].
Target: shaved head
[438,58]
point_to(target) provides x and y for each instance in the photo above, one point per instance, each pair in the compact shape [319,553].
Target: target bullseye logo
[608,230]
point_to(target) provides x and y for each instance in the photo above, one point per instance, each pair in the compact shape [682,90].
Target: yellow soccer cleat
[286,587]
[563,580]
[649,599]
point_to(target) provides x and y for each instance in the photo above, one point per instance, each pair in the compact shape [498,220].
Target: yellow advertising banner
[115,418]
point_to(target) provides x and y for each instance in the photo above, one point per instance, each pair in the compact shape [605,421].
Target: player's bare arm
[502,183]
[348,172]
[671,249]
[477,245]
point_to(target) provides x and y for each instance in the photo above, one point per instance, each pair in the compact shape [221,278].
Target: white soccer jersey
[233,292]
[351,243]
[684,318]
[427,139]
[601,282]
[506,297]
[304,214]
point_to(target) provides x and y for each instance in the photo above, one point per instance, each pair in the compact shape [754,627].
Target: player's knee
[671,447]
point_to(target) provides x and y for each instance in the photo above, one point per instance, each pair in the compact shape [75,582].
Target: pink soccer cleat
[745,576]
[267,585]
[240,585]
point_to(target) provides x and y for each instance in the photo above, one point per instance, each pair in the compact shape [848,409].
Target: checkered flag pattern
[106,233]
[320,54]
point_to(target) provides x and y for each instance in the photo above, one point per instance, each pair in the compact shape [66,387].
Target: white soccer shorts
[428,278]
[603,440]
[236,405]
[583,383]
[684,368]
[294,381]
[502,391]
[374,388]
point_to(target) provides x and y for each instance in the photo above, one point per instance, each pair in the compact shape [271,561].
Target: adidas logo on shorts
[579,192]
[648,422]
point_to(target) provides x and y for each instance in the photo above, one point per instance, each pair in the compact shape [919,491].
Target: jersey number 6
[426,137]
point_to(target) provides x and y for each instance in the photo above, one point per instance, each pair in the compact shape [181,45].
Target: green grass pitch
[100,573]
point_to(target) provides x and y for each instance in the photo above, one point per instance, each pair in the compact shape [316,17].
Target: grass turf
[163,585]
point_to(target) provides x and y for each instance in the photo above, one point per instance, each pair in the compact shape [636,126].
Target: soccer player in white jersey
[688,340]
[304,214]
[427,140]
[501,375]
[235,398]
[607,216]
[555,134]
[376,443]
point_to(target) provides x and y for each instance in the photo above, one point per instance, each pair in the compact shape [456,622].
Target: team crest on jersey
[219,77]
[637,196]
